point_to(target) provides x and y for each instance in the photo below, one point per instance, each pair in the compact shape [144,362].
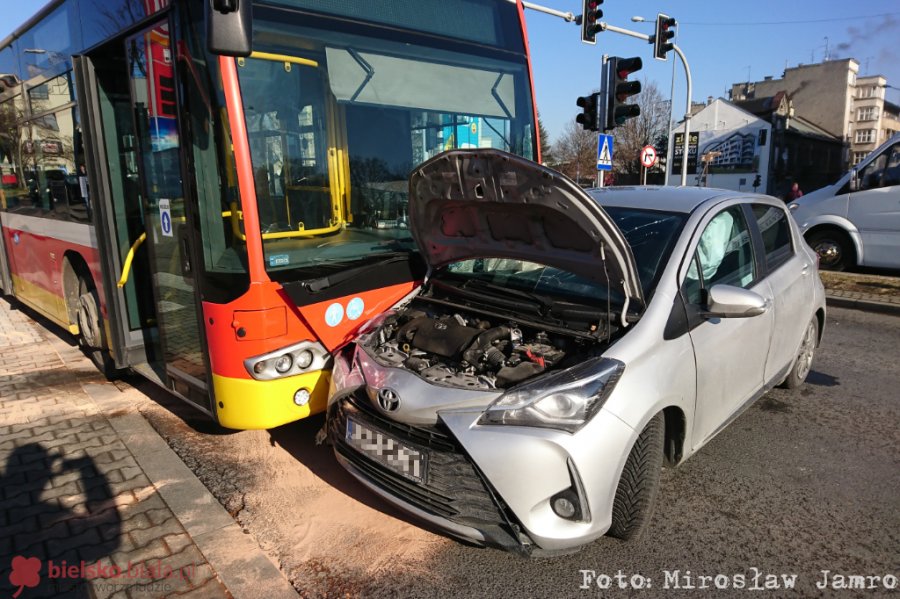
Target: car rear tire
[803,360]
[834,247]
[636,493]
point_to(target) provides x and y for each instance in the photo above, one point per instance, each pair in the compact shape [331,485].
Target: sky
[725,41]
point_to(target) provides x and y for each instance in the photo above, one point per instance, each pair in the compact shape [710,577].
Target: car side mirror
[727,301]
[854,180]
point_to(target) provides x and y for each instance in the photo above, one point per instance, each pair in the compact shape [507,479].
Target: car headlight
[565,400]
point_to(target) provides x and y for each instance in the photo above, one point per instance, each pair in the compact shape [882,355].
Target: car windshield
[650,233]
[338,116]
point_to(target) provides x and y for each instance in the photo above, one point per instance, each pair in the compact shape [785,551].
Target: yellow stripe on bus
[46,302]
[251,404]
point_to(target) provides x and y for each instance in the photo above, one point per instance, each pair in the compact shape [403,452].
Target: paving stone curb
[239,562]
[865,305]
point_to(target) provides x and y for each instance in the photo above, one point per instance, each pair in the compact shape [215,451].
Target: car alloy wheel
[807,350]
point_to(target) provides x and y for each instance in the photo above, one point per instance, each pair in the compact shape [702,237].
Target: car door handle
[805,269]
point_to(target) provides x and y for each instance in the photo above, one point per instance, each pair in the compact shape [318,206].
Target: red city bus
[219,214]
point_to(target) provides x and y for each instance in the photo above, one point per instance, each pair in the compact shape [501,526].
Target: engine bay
[465,349]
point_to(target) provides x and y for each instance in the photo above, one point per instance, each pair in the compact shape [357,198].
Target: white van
[856,221]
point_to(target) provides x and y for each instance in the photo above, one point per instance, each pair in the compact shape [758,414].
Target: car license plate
[386,450]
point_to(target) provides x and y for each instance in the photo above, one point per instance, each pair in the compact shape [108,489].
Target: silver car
[565,345]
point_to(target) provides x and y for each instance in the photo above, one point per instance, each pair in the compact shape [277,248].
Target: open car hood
[487,203]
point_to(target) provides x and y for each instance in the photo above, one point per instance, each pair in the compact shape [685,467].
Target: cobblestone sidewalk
[78,515]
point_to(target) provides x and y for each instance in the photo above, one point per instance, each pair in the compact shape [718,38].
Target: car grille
[453,489]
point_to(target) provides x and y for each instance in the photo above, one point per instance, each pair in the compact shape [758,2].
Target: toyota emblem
[388,399]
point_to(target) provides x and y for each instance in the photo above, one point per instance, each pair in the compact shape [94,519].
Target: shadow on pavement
[48,531]
[821,379]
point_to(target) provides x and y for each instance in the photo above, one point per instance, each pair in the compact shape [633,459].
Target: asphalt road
[804,481]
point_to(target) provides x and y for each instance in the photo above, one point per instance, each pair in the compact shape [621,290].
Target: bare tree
[648,128]
[576,152]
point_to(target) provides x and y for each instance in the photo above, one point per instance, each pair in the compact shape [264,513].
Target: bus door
[147,208]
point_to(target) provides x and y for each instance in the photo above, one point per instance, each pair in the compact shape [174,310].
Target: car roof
[655,197]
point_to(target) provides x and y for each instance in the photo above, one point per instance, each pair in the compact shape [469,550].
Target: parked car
[856,221]
[565,345]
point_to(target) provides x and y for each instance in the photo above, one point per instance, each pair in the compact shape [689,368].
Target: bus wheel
[90,330]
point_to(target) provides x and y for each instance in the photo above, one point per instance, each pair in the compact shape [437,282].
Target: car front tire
[636,492]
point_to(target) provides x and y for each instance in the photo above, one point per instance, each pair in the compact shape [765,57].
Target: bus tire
[90,330]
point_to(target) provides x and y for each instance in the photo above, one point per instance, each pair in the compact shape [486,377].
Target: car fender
[833,220]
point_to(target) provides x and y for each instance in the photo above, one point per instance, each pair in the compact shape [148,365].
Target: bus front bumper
[247,404]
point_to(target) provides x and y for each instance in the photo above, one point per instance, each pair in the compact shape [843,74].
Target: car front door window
[724,255]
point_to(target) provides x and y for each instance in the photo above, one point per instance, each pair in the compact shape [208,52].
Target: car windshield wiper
[321,283]
[544,306]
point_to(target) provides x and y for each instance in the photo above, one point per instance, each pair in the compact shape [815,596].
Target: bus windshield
[338,113]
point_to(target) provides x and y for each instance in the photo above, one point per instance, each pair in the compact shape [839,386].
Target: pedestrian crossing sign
[604,152]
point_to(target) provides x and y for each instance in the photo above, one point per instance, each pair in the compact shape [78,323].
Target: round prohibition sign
[648,156]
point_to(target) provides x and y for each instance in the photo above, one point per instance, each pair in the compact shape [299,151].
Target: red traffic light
[662,43]
[590,20]
[627,66]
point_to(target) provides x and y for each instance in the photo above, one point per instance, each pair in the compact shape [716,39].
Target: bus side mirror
[229,27]
[854,180]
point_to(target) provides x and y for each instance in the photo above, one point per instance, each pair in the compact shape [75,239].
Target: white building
[737,144]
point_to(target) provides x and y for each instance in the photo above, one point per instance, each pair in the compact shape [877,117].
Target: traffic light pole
[687,119]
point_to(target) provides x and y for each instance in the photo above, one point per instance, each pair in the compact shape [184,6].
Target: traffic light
[590,20]
[589,117]
[664,33]
[620,89]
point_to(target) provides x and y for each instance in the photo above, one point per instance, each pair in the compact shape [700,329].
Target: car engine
[467,351]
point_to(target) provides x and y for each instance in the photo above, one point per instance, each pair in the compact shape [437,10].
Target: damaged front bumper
[485,484]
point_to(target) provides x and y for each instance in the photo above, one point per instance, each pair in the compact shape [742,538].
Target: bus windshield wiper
[321,283]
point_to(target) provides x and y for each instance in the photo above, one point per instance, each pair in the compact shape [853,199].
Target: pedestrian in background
[794,193]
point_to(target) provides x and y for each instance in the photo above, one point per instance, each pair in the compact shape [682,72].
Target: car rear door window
[776,234]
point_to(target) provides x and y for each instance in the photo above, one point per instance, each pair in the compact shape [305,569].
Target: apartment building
[835,98]
[874,118]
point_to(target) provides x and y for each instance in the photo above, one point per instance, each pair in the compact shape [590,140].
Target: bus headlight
[306,356]
[284,363]
[304,359]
